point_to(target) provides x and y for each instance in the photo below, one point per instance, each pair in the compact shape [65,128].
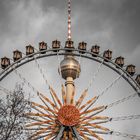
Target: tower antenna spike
[69,19]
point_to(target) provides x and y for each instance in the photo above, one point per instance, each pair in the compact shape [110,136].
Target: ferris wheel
[70,115]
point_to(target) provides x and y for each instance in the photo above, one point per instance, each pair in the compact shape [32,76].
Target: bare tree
[12,120]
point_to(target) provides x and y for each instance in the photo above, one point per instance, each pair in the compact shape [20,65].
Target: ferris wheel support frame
[62,51]
[78,53]
[60,134]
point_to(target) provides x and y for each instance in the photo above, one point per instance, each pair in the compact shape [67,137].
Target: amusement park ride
[69,119]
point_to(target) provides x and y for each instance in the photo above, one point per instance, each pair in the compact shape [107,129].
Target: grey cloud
[121,18]
[91,19]
[112,24]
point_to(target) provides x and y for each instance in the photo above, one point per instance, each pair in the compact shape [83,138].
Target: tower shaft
[69,89]
[70,67]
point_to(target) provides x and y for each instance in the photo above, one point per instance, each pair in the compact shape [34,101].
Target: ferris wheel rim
[78,53]
[84,53]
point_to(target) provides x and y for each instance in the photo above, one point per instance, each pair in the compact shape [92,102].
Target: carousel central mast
[70,67]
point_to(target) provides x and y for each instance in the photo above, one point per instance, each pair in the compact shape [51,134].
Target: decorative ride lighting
[107,55]
[119,61]
[17,55]
[138,79]
[95,50]
[56,45]
[131,69]
[69,44]
[42,47]
[29,50]
[82,46]
[5,62]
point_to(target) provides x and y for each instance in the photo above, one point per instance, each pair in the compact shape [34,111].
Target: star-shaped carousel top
[50,117]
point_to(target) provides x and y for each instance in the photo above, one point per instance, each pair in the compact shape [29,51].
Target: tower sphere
[70,67]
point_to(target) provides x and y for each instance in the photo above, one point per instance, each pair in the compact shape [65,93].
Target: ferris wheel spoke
[79,60]
[88,104]
[47,109]
[37,134]
[60,133]
[31,129]
[39,115]
[70,135]
[122,100]
[125,135]
[36,109]
[47,100]
[39,123]
[49,112]
[76,133]
[72,97]
[80,100]
[28,127]
[102,122]
[104,118]
[98,132]
[124,118]
[5,90]
[51,135]
[92,110]
[52,93]
[37,120]
[40,137]
[59,67]
[63,94]
[25,81]
[42,131]
[41,71]
[83,135]
[65,135]
[55,96]
[95,74]
[92,133]
[43,135]
[92,115]
[95,126]
[110,85]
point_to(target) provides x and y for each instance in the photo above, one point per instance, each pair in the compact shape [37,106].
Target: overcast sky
[113,24]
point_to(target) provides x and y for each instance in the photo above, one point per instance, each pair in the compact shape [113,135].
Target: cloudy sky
[113,24]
